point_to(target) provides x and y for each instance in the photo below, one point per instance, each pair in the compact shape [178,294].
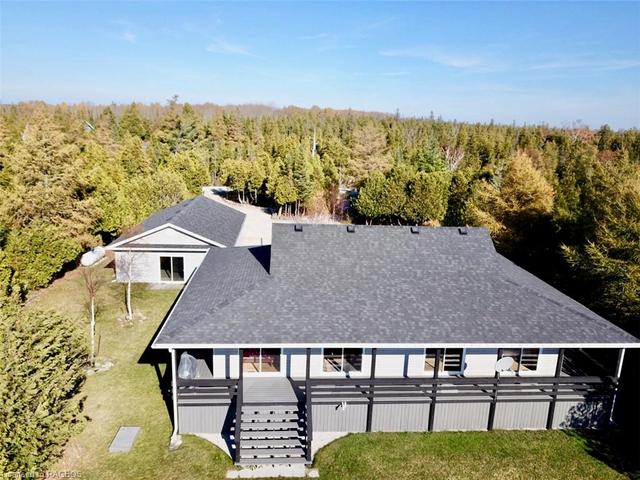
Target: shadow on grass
[159,358]
[610,446]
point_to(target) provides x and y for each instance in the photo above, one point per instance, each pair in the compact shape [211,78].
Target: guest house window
[172,269]
[450,359]
[524,359]
[342,360]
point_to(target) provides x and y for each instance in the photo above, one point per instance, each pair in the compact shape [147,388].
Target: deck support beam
[494,400]
[434,390]
[372,376]
[554,395]
[308,407]
[238,427]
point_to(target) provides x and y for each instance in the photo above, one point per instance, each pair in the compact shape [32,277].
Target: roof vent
[351,228]
[415,230]
[297,228]
[462,230]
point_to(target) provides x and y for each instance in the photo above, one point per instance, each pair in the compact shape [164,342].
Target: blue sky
[524,62]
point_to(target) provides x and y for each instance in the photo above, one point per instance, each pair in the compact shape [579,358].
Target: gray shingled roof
[199,215]
[379,285]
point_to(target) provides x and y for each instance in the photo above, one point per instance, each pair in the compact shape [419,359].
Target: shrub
[38,252]
[42,355]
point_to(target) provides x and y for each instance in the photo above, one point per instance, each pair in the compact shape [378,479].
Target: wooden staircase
[272,435]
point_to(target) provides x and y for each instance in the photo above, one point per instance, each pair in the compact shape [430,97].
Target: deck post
[238,427]
[308,407]
[174,396]
[494,400]
[554,394]
[434,390]
[617,382]
[372,376]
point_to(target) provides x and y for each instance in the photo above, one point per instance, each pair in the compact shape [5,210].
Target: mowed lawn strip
[129,395]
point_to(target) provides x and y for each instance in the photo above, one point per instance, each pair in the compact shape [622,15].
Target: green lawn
[461,455]
[128,394]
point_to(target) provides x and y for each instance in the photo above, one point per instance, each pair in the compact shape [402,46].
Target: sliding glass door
[261,361]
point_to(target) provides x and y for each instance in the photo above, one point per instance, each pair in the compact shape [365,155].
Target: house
[170,244]
[332,329]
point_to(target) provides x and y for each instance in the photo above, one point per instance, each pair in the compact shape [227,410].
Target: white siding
[169,236]
[397,362]
[146,264]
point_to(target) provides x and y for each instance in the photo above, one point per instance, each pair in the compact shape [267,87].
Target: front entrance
[262,362]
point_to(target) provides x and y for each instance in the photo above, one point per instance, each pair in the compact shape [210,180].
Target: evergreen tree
[42,357]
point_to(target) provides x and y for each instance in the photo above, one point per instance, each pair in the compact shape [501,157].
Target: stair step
[272,461]
[272,434]
[268,425]
[272,442]
[269,417]
[270,452]
[270,411]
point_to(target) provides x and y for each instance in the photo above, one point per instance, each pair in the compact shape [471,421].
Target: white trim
[162,227]
[171,257]
[177,248]
[392,345]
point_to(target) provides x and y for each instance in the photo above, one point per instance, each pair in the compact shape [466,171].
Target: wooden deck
[268,389]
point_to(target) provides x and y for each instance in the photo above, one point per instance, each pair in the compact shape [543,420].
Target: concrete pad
[271,471]
[217,440]
[123,441]
[321,439]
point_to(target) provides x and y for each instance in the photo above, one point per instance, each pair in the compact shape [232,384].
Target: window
[172,269]
[261,360]
[524,359]
[342,360]
[450,359]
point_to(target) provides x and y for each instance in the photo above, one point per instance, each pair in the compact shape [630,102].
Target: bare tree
[126,262]
[92,282]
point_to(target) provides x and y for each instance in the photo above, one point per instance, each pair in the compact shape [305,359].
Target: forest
[561,202]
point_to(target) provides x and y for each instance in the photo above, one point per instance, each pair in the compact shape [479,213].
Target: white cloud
[317,36]
[227,48]
[395,74]
[437,55]
[579,64]
[128,36]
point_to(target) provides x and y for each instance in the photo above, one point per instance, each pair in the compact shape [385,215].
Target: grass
[129,394]
[461,455]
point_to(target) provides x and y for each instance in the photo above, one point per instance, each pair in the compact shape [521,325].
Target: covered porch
[278,415]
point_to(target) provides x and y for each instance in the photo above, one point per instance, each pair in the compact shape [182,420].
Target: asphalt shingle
[199,215]
[377,285]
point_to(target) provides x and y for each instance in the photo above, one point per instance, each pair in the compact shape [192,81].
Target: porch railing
[202,392]
[458,389]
